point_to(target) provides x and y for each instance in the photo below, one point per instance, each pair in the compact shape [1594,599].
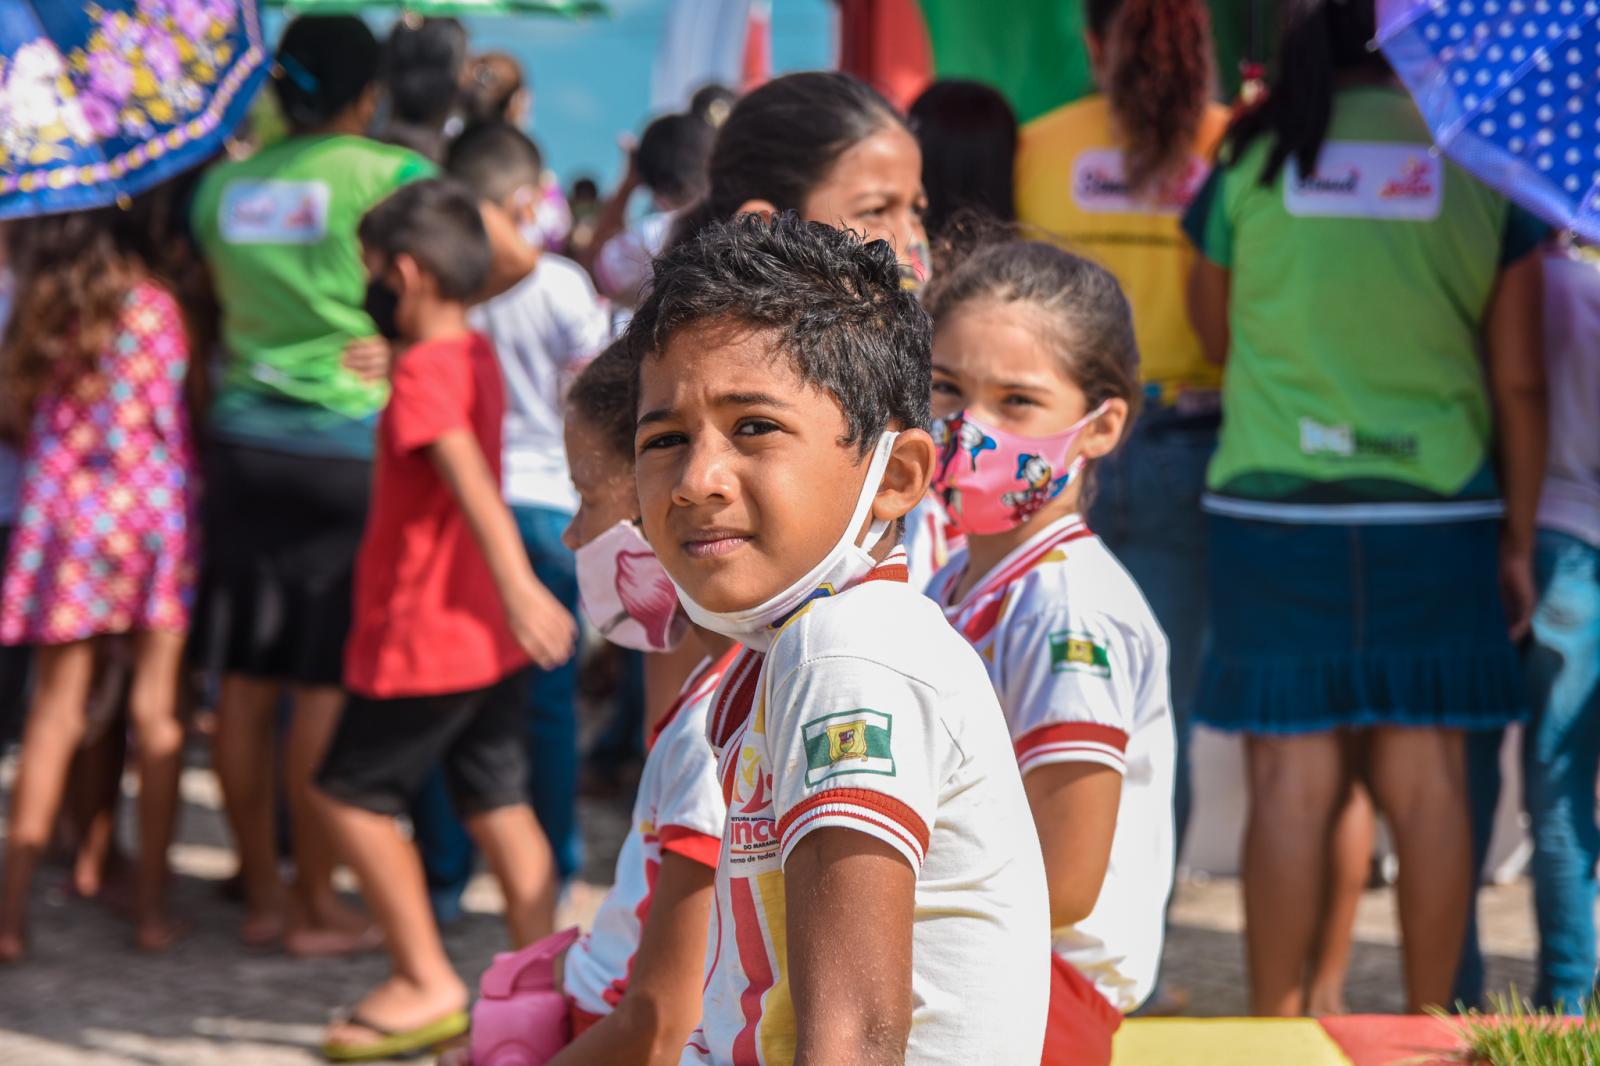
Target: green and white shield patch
[1072,651]
[849,742]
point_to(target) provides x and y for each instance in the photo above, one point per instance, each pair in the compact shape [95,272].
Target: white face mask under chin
[847,561]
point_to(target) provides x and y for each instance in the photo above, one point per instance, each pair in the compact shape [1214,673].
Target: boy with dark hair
[422,65]
[880,892]
[670,164]
[447,614]
[544,329]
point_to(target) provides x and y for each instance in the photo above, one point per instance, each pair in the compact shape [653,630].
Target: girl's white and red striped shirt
[679,809]
[868,713]
[1080,666]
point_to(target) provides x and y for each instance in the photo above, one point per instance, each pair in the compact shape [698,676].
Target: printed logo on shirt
[1079,653]
[849,742]
[1100,186]
[271,211]
[1360,179]
[1347,442]
[752,831]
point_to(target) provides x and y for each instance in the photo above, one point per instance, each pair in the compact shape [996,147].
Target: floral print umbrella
[104,100]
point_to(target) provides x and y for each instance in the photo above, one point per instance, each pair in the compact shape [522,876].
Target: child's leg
[486,769]
[153,709]
[321,924]
[520,856]
[424,984]
[54,729]
[242,754]
[94,786]
[1350,864]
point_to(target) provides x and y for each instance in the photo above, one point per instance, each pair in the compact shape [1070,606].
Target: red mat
[1386,1039]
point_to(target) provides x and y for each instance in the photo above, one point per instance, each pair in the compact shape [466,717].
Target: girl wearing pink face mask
[1035,378]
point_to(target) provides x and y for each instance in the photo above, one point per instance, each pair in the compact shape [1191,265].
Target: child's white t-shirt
[1080,665]
[679,808]
[869,713]
[544,329]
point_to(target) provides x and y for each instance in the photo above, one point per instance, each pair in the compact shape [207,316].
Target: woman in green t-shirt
[290,460]
[1376,308]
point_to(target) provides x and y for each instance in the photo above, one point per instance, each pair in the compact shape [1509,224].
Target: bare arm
[1208,308]
[610,220]
[1514,339]
[1075,810]
[541,625]
[511,258]
[662,1004]
[850,903]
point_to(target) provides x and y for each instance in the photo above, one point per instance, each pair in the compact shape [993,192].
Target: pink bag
[521,1017]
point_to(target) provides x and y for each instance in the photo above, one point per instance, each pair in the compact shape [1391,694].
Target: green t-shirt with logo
[1356,305]
[279,232]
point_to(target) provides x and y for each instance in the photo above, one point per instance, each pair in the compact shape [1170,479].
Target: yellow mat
[1225,1042]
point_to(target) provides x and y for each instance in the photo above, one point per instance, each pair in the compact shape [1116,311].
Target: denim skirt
[1322,627]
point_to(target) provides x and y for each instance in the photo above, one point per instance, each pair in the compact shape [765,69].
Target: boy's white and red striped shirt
[1080,665]
[869,714]
[679,808]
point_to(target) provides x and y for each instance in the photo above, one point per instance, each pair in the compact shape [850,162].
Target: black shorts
[383,750]
[282,533]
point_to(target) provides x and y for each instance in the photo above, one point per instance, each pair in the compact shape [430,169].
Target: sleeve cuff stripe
[1074,732]
[1065,753]
[692,844]
[868,822]
[868,801]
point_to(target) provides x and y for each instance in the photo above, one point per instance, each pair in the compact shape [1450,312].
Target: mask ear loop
[880,526]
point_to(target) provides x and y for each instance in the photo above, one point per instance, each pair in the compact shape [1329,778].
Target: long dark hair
[1157,79]
[324,64]
[1321,39]
[780,141]
[968,135]
[74,272]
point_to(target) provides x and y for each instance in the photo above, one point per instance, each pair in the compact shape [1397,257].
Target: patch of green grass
[1515,1034]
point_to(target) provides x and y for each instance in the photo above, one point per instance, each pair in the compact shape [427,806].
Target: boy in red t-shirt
[447,615]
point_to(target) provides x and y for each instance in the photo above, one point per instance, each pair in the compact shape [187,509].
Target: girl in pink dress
[96,357]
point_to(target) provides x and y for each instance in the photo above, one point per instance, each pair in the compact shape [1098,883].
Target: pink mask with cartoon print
[992,481]
[625,594]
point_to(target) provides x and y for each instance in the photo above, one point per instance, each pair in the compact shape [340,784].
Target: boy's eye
[661,440]
[755,427]
[946,388]
[1017,399]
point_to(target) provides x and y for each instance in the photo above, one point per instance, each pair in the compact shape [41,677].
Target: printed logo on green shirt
[848,742]
[1075,652]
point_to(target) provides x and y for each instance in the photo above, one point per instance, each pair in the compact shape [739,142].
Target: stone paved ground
[85,997]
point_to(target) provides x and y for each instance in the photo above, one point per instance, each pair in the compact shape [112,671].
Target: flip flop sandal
[395,1043]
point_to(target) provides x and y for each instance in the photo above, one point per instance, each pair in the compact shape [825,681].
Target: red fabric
[1380,1040]
[755,67]
[884,805]
[582,1021]
[691,844]
[427,618]
[1081,1021]
[885,44]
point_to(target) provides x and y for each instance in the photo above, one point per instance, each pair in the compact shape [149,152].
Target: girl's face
[991,358]
[604,481]
[875,188]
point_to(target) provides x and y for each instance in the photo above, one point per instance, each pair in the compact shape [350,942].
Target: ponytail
[1158,78]
[324,64]
[1321,40]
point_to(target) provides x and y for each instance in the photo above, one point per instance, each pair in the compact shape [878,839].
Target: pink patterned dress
[107,536]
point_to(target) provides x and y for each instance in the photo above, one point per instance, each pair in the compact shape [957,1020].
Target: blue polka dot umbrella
[1511,90]
[107,98]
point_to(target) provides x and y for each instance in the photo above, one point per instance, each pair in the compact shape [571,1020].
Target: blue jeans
[1561,759]
[1560,764]
[447,852]
[1147,509]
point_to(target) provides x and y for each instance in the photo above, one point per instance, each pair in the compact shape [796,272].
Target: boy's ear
[765,208]
[1101,436]
[906,478]
[412,278]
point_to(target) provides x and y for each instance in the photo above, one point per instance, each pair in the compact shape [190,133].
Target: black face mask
[382,305]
